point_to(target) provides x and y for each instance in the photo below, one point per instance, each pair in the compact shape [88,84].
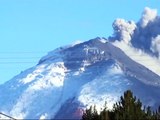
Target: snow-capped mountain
[71,78]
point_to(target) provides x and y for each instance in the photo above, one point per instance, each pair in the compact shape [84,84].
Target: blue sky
[31,28]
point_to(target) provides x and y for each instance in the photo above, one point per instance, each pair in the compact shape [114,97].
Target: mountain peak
[75,77]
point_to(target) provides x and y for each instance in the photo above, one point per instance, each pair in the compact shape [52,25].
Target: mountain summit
[69,79]
[72,78]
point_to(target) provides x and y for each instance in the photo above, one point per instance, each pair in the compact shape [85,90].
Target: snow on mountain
[74,78]
[71,78]
[36,84]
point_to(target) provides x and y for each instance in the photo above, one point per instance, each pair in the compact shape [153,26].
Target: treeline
[128,108]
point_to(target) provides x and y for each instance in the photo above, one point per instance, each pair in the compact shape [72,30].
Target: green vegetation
[128,108]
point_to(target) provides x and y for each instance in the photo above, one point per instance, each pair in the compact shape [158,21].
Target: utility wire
[31,58]
[3,58]
[19,52]
[17,62]
[7,116]
[37,57]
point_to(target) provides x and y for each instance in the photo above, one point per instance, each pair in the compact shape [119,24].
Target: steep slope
[75,77]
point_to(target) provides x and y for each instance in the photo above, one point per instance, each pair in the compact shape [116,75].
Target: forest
[127,108]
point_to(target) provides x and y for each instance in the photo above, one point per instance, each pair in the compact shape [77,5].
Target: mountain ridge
[84,74]
[70,79]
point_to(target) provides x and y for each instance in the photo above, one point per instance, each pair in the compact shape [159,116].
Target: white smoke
[144,35]
[155,46]
[124,29]
[141,40]
[150,62]
[148,15]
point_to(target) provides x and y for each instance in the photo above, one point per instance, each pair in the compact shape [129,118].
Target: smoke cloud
[148,15]
[155,46]
[144,35]
[124,29]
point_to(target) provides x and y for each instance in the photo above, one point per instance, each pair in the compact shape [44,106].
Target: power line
[31,58]
[34,62]
[40,52]
[19,52]
[7,116]
[3,58]
[17,62]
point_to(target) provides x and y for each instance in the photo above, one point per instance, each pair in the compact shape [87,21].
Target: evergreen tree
[87,115]
[158,113]
[128,108]
[91,114]
[104,115]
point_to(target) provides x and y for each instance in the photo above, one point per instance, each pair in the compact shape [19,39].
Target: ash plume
[144,35]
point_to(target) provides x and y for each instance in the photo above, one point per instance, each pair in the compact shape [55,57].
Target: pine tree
[128,108]
[87,115]
[91,114]
[104,114]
